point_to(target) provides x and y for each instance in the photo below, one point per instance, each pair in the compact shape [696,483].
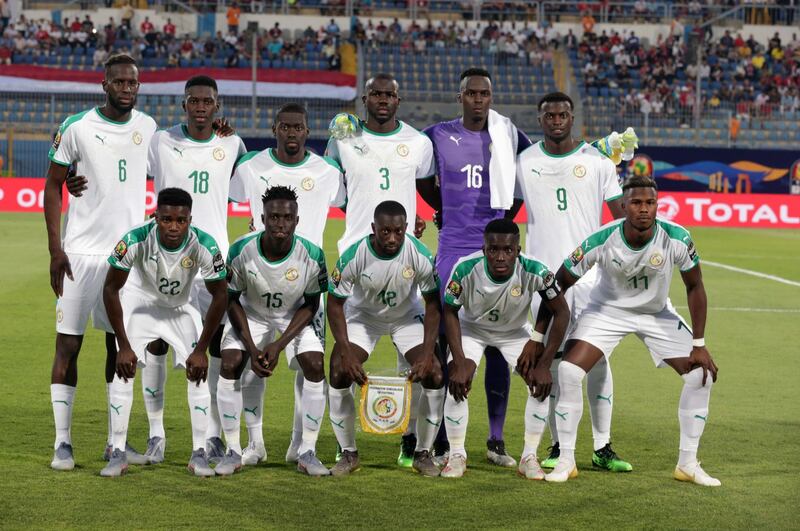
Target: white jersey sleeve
[64,150]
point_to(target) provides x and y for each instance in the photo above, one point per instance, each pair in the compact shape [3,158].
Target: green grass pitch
[750,443]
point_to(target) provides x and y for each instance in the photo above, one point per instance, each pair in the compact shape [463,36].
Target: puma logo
[252,411]
[456,140]
[203,409]
[152,392]
[102,139]
[178,150]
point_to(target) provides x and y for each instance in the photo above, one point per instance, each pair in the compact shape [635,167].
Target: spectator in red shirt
[76,25]
[146,26]
[169,29]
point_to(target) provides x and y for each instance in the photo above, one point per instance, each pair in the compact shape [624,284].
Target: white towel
[502,162]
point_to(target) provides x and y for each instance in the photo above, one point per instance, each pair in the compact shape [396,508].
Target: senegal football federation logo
[516,291]
[120,250]
[137,138]
[307,184]
[291,274]
[576,256]
[218,153]
[385,407]
[59,315]
[408,272]
[187,262]
[579,171]
[656,259]
[402,150]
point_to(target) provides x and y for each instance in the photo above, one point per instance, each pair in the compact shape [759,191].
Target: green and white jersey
[497,306]
[317,180]
[201,167]
[165,275]
[113,158]
[633,279]
[273,291]
[379,167]
[564,197]
[384,288]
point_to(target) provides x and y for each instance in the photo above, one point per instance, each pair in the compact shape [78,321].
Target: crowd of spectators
[747,77]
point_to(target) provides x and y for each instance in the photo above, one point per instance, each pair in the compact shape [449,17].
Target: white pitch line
[748,310]
[752,273]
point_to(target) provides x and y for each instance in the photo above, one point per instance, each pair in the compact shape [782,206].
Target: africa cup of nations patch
[576,256]
[120,250]
[385,405]
[454,289]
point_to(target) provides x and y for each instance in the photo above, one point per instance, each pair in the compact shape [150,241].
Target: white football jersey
[201,167]
[165,275]
[497,306]
[636,280]
[564,197]
[317,180]
[384,288]
[380,167]
[273,291]
[113,158]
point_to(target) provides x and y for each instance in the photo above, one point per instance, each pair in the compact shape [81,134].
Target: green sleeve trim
[349,254]
[244,158]
[568,267]
[599,238]
[72,119]
[316,254]
[68,121]
[334,163]
[139,234]
[534,267]
[464,268]
[234,291]
[206,240]
[420,247]
[331,291]
[613,198]
[448,300]
[675,232]
[52,158]
[238,246]
[221,276]
[116,265]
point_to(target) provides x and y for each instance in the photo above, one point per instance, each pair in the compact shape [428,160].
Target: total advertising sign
[685,208]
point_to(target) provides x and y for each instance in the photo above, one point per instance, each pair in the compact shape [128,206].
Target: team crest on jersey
[291,274]
[516,291]
[408,272]
[402,150]
[137,138]
[656,259]
[218,153]
[120,250]
[576,256]
[307,184]
[187,262]
[336,276]
[454,289]
[57,141]
[579,171]
[59,315]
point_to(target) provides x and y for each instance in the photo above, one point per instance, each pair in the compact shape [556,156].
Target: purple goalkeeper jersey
[462,165]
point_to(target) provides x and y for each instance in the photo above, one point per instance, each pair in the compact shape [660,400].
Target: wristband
[537,337]
[699,342]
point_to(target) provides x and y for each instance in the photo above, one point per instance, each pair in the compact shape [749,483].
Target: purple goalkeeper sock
[497,384]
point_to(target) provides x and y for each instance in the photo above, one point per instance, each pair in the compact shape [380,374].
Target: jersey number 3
[385,176]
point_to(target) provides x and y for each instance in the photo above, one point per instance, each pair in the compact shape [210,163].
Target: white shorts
[665,333]
[145,322]
[510,344]
[577,298]
[200,299]
[406,332]
[83,296]
[310,339]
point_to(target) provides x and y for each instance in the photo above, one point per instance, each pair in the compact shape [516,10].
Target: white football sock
[253,389]
[456,418]
[692,414]
[229,400]
[214,425]
[535,423]
[120,400]
[414,413]
[313,409]
[110,436]
[297,426]
[343,417]
[430,417]
[600,391]
[199,412]
[62,397]
[551,416]
[154,379]
[569,408]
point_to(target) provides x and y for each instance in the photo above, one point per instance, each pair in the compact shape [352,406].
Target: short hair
[200,81]
[501,226]
[475,71]
[275,193]
[390,208]
[555,97]
[292,107]
[119,59]
[380,75]
[639,181]
[174,197]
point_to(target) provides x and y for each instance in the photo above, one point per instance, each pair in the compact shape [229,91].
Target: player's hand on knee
[701,357]
[423,368]
[419,227]
[197,367]
[126,363]
[541,382]
[527,360]
[76,184]
[59,266]
[258,364]
[270,360]
[460,379]
[353,369]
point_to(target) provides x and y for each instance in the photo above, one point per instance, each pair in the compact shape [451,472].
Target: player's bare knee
[313,366]
[434,380]
[230,368]
[337,378]
[159,347]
